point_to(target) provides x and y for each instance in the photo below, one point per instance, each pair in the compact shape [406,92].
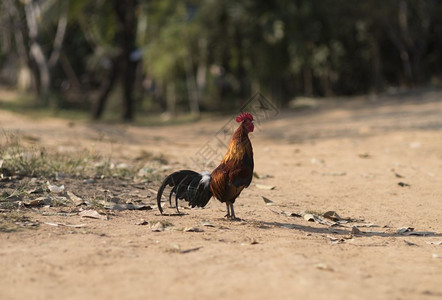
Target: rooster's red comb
[244,116]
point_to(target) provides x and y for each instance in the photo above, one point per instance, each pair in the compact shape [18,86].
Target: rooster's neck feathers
[239,146]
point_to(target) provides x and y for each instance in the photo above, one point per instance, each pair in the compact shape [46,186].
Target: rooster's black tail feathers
[188,185]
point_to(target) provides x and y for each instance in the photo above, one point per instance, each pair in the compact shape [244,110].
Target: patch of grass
[30,160]
[34,161]
[12,196]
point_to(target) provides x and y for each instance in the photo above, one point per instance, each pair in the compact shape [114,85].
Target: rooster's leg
[228,211]
[232,213]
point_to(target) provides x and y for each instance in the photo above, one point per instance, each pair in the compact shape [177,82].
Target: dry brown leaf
[74,198]
[65,225]
[127,206]
[355,230]
[264,187]
[268,201]
[291,214]
[207,223]
[192,229]
[55,189]
[409,243]
[332,215]
[158,227]
[142,222]
[309,217]
[364,155]
[152,191]
[410,231]
[402,230]
[435,243]
[93,214]
[325,267]
[36,202]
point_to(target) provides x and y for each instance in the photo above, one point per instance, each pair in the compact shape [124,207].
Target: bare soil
[376,162]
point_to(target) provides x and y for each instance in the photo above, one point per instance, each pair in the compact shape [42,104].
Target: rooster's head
[247,120]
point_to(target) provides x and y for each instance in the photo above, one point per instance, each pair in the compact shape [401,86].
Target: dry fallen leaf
[332,215]
[435,243]
[175,248]
[325,267]
[207,223]
[142,222]
[264,176]
[402,230]
[127,206]
[55,189]
[335,240]
[396,174]
[368,225]
[410,231]
[309,217]
[36,190]
[66,225]
[152,191]
[36,202]
[93,214]
[77,200]
[409,243]
[192,229]
[158,227]
[267,200]
[265,187]
[355,230]
[291,214]
[334,173]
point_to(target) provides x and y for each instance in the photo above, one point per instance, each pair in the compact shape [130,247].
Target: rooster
[225,183]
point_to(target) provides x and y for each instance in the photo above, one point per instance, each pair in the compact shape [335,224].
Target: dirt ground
[376,162]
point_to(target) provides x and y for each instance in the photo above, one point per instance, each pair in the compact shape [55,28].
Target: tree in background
[197,55]
[124,63]
[29,38]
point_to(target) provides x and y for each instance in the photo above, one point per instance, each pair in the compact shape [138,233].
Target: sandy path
[345,158]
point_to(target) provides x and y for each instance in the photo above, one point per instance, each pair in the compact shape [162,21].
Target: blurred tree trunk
[42,66]
[41,70]
[106,88]
[124,66]
[60,34]
[126,16]
[24,79]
